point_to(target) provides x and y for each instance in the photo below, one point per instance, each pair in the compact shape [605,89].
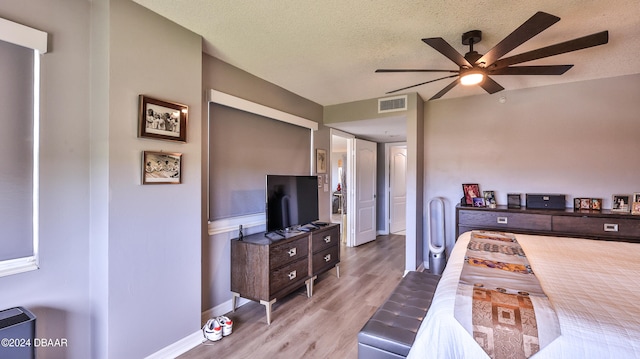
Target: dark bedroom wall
[578,139]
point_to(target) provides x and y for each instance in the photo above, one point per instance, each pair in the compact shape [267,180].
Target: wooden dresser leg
[338,270]
[234,300]
[267,306]
[309,283]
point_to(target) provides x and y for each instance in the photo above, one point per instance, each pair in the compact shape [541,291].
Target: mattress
[594,287]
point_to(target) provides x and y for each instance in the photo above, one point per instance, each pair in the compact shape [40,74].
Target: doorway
[341,143]
[396,170]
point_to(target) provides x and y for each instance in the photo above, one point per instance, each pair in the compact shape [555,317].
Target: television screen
[291,201]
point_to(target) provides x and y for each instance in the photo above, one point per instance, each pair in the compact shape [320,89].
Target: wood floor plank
[325,325]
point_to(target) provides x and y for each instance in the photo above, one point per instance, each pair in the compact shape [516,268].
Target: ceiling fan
[475,68]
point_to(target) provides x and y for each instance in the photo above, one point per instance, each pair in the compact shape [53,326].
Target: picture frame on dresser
[635,204]
[471,191]
[620,203]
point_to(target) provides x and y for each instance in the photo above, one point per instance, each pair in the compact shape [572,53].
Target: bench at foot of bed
[391,330]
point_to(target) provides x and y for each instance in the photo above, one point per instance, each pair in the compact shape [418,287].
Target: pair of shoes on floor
[216,328]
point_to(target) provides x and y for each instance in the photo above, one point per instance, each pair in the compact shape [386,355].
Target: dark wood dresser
[603,224]
[265,269]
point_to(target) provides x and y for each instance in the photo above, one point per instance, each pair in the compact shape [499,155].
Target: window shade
[16,150]
[243,149]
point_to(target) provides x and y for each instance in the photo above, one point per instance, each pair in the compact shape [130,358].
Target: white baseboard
[178,348]
[193,340]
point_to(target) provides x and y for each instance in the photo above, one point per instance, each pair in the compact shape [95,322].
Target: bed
[593,286]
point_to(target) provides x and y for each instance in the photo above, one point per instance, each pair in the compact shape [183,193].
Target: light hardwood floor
[325,325]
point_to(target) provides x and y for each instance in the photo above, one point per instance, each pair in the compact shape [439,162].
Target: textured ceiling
[327,51]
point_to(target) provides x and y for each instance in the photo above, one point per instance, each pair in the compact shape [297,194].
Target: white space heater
[436,236]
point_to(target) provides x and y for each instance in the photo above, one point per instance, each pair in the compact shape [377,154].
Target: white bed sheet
[594,286]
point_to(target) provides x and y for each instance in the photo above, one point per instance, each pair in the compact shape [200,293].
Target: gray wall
[578,139]
[225,78]
[154,231]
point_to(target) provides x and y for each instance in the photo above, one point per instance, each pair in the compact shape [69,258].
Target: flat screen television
[291,201]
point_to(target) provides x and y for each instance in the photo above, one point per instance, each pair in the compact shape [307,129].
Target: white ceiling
[327,51]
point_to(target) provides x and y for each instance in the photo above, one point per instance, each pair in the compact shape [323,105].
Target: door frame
[348,232]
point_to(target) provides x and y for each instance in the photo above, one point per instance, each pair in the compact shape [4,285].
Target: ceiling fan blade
[491,86]
[445,90]
[532,27]
[423,83]
[444,48]
[532,70]
[415,70]
[596,39]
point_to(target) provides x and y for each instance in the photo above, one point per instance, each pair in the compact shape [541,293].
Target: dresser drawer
[283,253]
[325,239]
[507,220]
[292,273]
[326,259]
[593,226]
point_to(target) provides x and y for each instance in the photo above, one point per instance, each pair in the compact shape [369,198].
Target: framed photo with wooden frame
[471,191]
[162,120]
[620,203]
[161,167]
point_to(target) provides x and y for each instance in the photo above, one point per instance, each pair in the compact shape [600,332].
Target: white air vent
[392,104]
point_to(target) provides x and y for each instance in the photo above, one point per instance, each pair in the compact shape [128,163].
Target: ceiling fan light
[472,78]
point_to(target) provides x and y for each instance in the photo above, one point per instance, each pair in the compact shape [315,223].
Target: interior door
[397,189]
[365,191]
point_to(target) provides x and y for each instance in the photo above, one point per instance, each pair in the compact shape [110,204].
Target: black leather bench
[391,330]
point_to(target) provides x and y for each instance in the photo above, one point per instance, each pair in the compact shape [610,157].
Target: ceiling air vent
[392,104]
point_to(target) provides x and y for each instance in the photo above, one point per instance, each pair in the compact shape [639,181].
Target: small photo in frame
[585,203]
[635,208]
[489,198]
[620,203]
[162,120]
[478,202]
[321,161]
[636,197]
[596,204]
[161,168]
[471,191]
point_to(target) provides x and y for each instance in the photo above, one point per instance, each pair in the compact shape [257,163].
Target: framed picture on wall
[471,191]
[161,168]
[162,120]
[620,203]
[321,160]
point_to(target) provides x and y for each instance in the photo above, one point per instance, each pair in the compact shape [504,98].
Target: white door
[397,189]
[364,191]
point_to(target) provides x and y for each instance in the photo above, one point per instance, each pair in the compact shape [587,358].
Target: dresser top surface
[264,238]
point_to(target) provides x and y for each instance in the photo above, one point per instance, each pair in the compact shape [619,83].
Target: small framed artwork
[161,168]
[620,203]
[636,197]
[321,160]
[596,204]
[576,203]
[478,202]
[162,120]
[513,200]
[585,203]
[489,198]
[471,191]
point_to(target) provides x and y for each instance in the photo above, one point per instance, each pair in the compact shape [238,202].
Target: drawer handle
[327,258]
[292,275]
[610,227]
[292,252]
[327,239]
[503,220]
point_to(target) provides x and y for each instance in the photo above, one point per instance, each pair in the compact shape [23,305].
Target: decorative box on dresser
[264,269]
[603,224]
